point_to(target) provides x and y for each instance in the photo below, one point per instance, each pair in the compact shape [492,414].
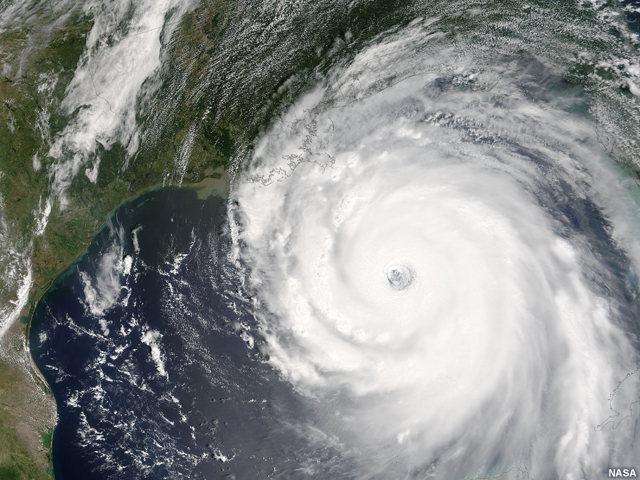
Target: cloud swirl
[442,253]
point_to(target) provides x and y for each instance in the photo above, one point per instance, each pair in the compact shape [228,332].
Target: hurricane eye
[399,276]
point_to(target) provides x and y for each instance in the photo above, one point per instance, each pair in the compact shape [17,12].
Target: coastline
[38,374]
[216,183]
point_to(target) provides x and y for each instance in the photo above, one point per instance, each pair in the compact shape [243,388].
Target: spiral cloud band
[438,256]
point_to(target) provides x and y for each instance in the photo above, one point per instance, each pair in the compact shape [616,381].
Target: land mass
[39,58]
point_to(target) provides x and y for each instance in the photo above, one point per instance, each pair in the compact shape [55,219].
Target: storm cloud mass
[443,254]
[426,265]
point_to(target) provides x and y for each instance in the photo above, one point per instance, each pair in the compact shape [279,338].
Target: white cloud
[122,51]
[499,344]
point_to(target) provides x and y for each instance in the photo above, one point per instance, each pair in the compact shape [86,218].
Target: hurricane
[441,253]
[320,239]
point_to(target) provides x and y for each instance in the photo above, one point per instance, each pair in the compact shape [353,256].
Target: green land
[38,54]
[239,105]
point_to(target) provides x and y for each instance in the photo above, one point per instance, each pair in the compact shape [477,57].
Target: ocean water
[152,360]
[427,266]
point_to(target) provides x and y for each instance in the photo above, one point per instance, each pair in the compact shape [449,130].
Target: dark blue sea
[154,361]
